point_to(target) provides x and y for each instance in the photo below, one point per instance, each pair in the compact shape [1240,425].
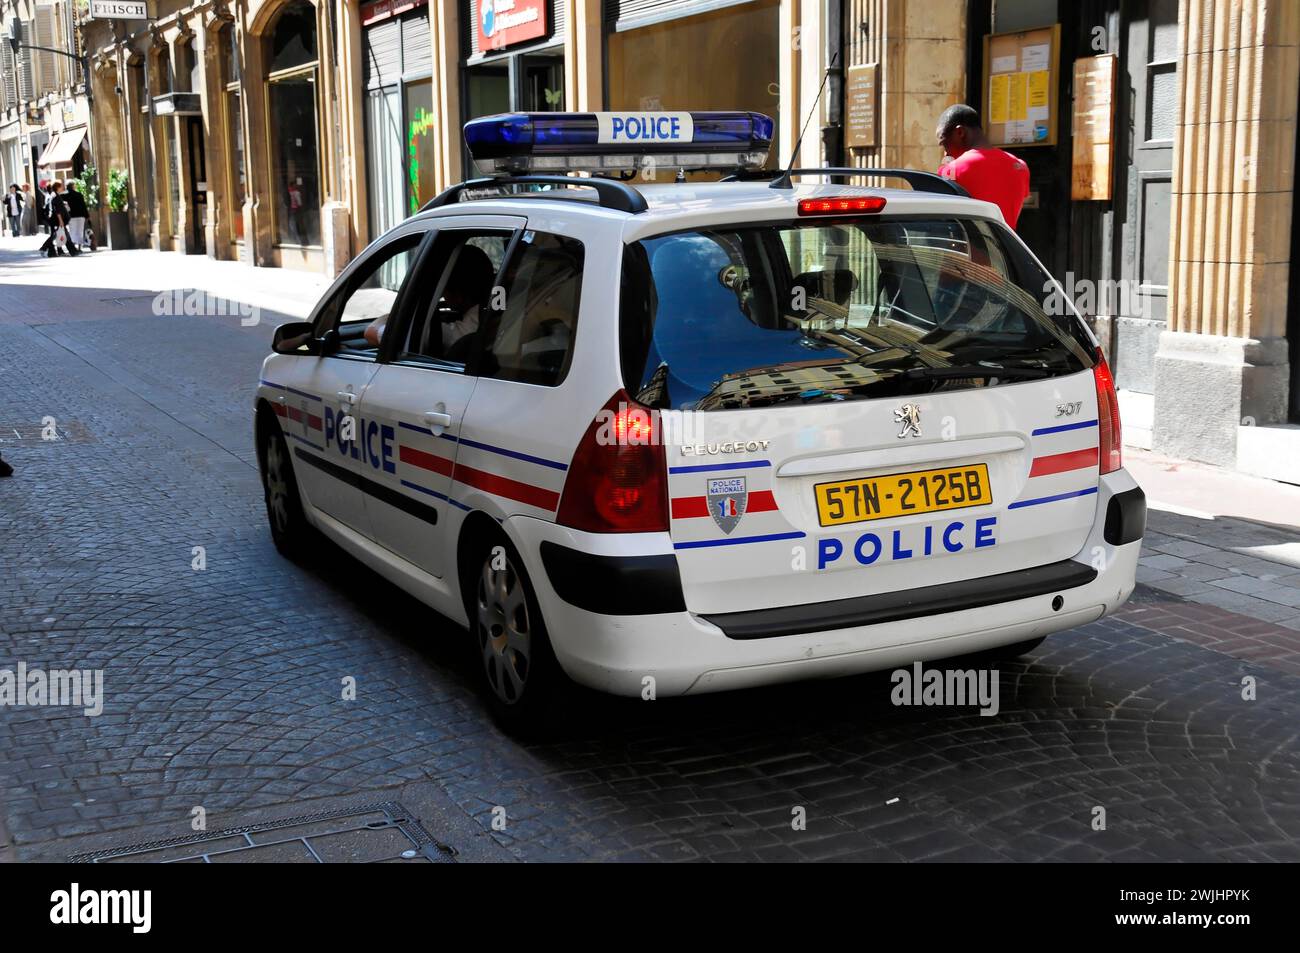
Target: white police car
[694,437]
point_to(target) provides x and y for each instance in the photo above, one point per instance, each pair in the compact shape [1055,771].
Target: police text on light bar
[618,141]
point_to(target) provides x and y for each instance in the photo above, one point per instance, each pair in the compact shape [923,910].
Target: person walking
[14,209]
[985,171]
[29,211]
[78,214]
[58,216]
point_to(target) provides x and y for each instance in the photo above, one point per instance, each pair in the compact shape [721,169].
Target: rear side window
[531,337]
[809,312]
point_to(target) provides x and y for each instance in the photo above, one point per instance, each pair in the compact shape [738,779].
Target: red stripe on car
[689,507]
[510,489]
[425,461]
[1063,462]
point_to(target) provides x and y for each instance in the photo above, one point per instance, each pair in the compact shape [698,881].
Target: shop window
[292,99]
[421,143]
[293,41]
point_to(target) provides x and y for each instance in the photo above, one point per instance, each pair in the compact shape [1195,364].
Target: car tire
[289,527]
[521,678]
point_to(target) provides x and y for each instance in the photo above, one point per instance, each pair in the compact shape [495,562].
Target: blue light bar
[616,141]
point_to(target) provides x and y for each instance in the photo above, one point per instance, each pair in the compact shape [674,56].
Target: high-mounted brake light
[615,141]
[1110,440]
[617,482]
[841,206]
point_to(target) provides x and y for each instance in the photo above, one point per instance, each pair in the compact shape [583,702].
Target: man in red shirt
[984,171]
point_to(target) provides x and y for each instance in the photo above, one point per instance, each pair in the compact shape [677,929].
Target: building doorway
[198,184]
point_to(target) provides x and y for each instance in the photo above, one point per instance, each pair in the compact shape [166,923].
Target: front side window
[361,310]
[452,297]
[812,312]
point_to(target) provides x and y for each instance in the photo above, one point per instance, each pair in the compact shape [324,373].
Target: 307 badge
[727,498]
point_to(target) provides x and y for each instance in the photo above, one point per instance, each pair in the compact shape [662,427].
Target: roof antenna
[783,182]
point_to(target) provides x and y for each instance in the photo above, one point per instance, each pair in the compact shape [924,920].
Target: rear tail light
[618,480]
[848,205]
[1110,439]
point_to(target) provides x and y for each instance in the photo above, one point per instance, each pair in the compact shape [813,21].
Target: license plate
[902,494]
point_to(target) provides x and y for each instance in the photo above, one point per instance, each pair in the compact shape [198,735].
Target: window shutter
[9,80]
[47,69]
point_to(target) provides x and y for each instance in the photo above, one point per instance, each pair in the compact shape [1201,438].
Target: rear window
[809,312]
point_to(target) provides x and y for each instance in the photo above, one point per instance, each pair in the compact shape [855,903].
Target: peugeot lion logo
[909,415]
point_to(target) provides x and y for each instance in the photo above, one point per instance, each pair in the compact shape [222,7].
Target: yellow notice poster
[999,90]
[1019,94]
[1038,88]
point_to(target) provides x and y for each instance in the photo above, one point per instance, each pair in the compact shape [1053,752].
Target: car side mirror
[291,338]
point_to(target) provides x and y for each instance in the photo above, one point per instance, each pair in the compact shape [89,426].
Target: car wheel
[521,675]
[289,527]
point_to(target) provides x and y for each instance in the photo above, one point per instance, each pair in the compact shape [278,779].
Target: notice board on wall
[861,96]
[1092,127]
[1021,79]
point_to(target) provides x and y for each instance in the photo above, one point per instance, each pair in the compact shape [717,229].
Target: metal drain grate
[371,833]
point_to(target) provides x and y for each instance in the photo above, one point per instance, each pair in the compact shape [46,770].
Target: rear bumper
[688,653]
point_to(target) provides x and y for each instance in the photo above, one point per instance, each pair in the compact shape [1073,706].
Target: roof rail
[611,194]
[919,181]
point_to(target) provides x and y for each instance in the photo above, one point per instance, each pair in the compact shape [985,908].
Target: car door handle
[347,397]
[435,419]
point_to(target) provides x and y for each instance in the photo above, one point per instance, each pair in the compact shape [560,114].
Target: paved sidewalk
[1221,539]
[119,273]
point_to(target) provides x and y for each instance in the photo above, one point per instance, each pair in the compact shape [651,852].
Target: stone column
[583,56]
[444,29]
[257,206]
[185,171]
[139,155]
[1222,363]
[921,48]
[216,154]
[335,213]
[352,97]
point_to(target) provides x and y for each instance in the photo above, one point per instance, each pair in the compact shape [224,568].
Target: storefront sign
[379,10]
[861,97]
[502,23]
[119,10]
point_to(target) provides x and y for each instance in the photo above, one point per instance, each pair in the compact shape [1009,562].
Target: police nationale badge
[726,499]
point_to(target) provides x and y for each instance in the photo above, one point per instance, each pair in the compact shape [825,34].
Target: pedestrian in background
[58,242]
[985,171]
[77,216]
[29,211]
[14,209]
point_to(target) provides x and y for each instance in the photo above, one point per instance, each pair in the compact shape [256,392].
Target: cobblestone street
[222,686]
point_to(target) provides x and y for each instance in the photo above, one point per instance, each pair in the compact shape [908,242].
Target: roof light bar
[841,206]
[618,141]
